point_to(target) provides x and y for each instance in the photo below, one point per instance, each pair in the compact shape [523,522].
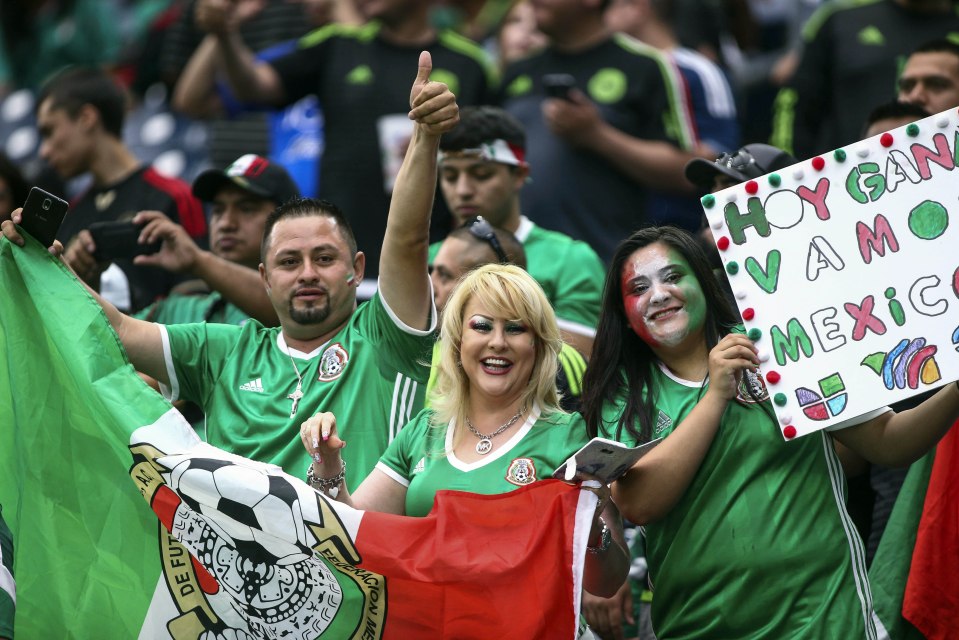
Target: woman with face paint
[747,536]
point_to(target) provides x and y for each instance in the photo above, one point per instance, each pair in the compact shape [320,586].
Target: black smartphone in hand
[558,85]
[42,215]
[118,240]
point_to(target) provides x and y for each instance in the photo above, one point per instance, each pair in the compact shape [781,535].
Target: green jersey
[180,309]
[421,458]
[570,272]
[760,544]
[7,585]
[371,374]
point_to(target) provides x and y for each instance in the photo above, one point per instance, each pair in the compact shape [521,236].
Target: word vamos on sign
[845,268]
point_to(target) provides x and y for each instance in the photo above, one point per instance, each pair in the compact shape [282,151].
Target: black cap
[251,173]
[749,162]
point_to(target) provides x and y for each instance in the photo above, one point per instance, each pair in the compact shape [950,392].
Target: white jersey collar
[524,229]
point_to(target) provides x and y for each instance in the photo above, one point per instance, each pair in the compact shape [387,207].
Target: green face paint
[663,301]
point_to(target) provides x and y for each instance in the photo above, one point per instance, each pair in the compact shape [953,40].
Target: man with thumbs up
[368,362]
[358,74]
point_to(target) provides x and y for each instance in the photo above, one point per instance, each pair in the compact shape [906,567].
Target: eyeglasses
[480,228]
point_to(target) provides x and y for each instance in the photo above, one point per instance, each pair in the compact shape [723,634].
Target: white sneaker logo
[253,385]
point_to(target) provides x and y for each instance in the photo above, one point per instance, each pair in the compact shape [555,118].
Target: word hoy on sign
[865,183]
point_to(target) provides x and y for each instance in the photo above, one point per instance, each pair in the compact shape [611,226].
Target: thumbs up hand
[432,105]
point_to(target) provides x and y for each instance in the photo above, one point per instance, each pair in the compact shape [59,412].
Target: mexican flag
[126,525]
[915,574]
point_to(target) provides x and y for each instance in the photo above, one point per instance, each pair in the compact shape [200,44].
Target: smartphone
[558,85]
[118,240]
[42,215]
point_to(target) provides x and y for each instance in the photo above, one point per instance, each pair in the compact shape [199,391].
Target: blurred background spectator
[13,188]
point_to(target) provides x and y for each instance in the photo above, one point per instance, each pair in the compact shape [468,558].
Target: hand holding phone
[119,240]
[559,85]
[42,215]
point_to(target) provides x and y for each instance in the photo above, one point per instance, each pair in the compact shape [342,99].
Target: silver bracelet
[605,537]
[329,486]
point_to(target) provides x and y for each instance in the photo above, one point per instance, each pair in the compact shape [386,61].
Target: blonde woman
[494,424]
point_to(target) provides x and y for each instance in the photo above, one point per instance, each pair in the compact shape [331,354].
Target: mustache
[312,288]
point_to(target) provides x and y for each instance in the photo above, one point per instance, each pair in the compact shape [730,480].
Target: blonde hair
[510,292]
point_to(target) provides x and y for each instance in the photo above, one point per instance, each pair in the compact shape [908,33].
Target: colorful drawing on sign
[955,338]
[831,403]
[908,363]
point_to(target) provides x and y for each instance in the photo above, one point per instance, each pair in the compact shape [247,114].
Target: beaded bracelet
[329,486]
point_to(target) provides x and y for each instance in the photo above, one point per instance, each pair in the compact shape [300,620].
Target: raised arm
[404,281]
[657,482]
[250,79]
[194,93]
[899,439]
[140,339]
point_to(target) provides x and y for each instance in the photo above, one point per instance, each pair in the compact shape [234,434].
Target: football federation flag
[243,550]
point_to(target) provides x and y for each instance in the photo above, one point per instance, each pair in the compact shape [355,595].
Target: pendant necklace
[298,392]
[485,445]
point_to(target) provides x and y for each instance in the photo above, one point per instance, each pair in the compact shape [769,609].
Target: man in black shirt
[600,147]
[851,58]
[80,118]
[360,75]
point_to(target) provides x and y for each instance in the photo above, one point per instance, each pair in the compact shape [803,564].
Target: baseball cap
[751,161]
[251,173]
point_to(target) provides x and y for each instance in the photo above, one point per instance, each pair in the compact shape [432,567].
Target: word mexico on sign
[845,268]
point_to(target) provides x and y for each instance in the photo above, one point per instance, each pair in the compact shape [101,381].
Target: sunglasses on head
[480,228]
[739,161]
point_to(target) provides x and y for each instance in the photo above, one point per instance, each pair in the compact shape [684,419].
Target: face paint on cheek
[632,305]
[695,303]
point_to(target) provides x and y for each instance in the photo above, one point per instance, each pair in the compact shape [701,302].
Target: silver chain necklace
[485,445]
[298,392]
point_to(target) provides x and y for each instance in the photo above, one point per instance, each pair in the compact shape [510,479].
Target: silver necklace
[485,445]
[298,392]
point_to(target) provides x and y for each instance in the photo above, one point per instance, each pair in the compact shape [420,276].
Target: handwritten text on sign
[846,270]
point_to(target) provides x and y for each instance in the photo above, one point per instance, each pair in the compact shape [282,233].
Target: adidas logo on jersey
[253,385]
[420,466]
[663,422]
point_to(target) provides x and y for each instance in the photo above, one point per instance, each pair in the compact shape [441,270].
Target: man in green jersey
[242,196]
[482,171]
[364,362]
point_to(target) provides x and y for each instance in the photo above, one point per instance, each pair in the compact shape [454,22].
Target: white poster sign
[845,268]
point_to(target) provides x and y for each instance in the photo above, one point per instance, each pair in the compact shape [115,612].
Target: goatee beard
[310,315]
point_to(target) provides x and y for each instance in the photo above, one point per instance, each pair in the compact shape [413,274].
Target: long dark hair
[621,361]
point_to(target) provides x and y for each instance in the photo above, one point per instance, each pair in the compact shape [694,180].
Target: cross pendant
[295,397]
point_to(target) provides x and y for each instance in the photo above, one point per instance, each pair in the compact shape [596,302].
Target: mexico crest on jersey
[333,362]
[521,472]
[752,382]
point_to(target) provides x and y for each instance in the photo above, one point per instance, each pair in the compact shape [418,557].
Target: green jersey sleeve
[407,449]
[195,353]
[400,347]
